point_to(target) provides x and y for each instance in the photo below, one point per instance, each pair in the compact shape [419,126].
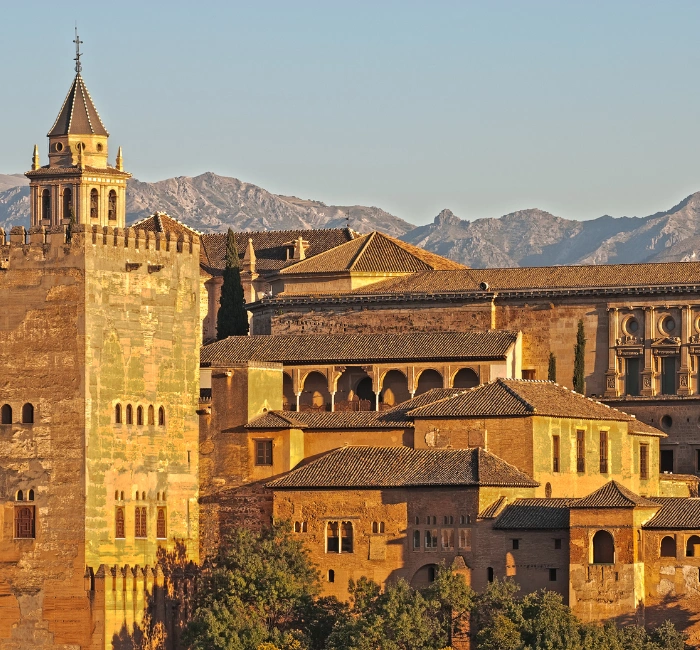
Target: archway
[394,388]
[289,399]
[424,576]
[603,548]
[428,380]
[315,395]
[367,397]
[690,549]
[668,547]
[465,378]
[346,390]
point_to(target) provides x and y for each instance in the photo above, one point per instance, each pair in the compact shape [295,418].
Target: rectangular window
[580,450]
[557,543]
[161,528]
[644,461]
[431,538]
[140,522]
[24,522]
[529,373]
[465,538]
[263,452]
[668,375]
[416,539]
[552,575]
[603,452]
[632,376]
[666,464]
[555,453]
[120,528]
[448,538]
[332,537]
[516,544]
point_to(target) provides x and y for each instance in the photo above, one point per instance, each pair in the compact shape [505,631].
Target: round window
[666,421]
[99,147]
[668,325]
[631,326]
[58,146]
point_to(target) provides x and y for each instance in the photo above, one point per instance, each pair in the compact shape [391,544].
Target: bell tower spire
[78,182]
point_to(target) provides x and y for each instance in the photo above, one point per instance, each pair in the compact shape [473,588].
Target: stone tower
[99,353]
[78,178]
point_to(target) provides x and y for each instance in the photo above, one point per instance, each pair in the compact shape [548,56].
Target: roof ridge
[60,112]
[363,248]
[83,90]
[517,395]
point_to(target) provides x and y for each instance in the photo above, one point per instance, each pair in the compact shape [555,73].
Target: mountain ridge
[529,237]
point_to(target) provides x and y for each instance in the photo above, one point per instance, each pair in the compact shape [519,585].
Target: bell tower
[78,183]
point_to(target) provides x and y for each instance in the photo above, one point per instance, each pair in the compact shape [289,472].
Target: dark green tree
[260,588]
[232,318]
[552,368]
[579,359]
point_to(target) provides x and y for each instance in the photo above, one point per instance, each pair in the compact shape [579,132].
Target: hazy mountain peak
[447,218]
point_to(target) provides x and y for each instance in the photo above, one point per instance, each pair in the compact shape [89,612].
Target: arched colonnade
[370,388]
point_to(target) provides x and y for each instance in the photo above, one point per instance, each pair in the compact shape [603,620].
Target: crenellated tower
[78,181]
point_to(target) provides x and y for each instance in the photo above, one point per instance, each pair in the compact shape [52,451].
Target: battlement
[60,242]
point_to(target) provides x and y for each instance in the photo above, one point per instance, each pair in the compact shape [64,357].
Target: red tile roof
[324,420]
[78,114]
[614,495]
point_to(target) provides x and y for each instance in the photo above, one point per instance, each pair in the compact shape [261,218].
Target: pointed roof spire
[120,160]
[35,158]
[249,257]
[78,114]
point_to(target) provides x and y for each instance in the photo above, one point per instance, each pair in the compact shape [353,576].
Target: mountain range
[532,237]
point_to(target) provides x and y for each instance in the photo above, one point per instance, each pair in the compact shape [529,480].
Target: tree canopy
[232,318]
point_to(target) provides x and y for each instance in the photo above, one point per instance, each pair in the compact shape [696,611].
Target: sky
[577,108]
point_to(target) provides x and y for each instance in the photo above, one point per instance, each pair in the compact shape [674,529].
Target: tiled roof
[324,420]
[536,514]
[384,467]
[78,114]
[547,277]
[161,222]
[271,247]
[398,412]
[357,348]
[676,513]
[491,511]
[613,495]
[520,397]
[75,171]
[372,253]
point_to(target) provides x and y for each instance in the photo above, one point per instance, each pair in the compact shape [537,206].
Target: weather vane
[77,42]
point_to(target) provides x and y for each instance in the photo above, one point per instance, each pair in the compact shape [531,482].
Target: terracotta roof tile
[398,412]
[162,222]
[548,277]
[536,514]
[78,114]
[384,467]
[271,247]
[492,510]
[613,495]
[676,513]
[324,420]
[356,348]
[519,397]
[372,253]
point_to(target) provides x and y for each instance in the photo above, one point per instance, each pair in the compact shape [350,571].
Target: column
[684,370]
[332,401]
[648,383]
[611,378]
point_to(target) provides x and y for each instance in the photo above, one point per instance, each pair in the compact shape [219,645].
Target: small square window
[263,452]
[552,575]
[557,543]
[516,544]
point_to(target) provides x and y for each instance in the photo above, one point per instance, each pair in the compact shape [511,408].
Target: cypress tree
[232,319]
[579,357]
[552,369]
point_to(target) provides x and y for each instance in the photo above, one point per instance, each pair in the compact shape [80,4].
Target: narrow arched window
[94,203]
[375,527]
[331,575]
[19,496]
[116,495]
[332,537]
[161,532]
[112,206]
[67,203]
[416,539]
[668,547]
[297,526]
[46,205]
[6,414]
[30,495]
[28,414]
[161,417]
[129,414]
[691,544]
[143,496]
[603,548]
[489,574]
[346,537]
[121,494]
[139,415]
[151,415]
[118,414]
[120,527]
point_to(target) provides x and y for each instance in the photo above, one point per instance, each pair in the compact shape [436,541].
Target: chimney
[249,257]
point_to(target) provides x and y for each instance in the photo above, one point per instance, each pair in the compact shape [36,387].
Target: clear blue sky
[578,108]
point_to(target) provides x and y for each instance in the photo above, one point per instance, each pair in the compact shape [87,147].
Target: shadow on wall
[168,607]
[681,610]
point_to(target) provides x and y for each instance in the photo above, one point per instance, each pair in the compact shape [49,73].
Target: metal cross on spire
[77,42]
